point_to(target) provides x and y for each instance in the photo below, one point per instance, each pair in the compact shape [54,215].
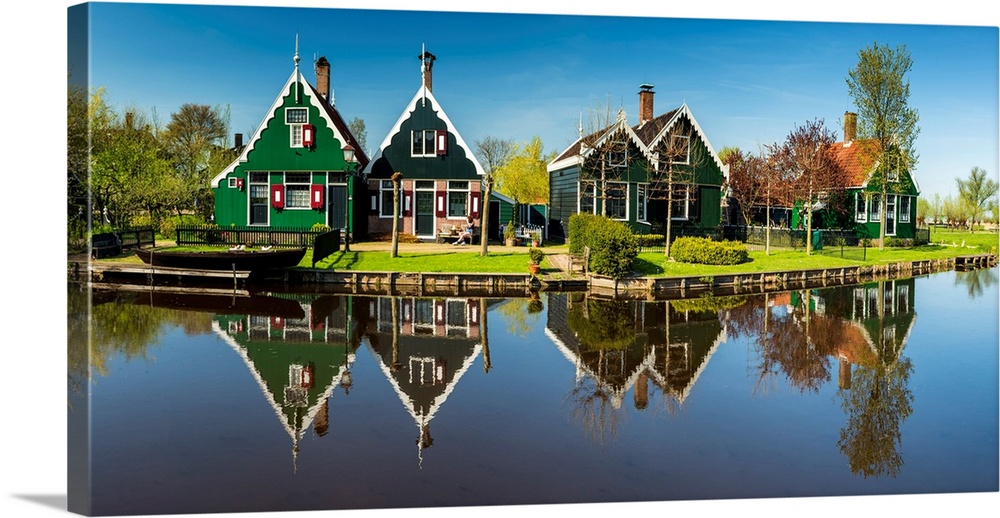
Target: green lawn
[655,265]
[464,262]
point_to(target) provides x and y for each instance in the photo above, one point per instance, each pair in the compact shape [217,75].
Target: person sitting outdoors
[465,236]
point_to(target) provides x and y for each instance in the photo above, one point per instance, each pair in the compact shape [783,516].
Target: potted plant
[508,234]
[536,238]
[535,256]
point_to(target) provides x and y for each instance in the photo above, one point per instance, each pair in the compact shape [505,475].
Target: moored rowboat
[223,259]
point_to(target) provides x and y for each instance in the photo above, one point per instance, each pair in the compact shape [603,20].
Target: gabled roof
[333,120]
[578,151]
[646,135]
[424,94]
[851,155]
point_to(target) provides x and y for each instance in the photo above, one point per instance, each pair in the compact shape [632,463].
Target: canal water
[299,401]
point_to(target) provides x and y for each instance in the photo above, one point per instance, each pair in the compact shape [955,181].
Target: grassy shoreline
[436,259]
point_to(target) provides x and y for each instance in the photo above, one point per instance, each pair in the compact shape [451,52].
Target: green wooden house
[442,179]
[865,198]
[621,171]
[298,169]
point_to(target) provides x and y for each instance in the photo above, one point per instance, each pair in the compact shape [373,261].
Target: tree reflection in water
[976,281]
[864,327]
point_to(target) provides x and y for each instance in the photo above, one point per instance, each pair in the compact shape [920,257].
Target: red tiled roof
[855,159]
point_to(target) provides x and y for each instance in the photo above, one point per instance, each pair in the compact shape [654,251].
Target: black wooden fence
[249,236]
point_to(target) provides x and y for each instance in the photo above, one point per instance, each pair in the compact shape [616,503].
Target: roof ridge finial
[296,57]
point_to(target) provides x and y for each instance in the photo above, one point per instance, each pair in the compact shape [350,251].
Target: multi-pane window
[385,193]
[297,190]
[681,201]
[295,118]
[616,198]
[422,143]
[876,209]
[861,208]
[587,195]
[458,199]
[680,149]
[640,204]
[904,209]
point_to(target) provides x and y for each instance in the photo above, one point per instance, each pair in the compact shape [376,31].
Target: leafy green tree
[493,153]
[191,136]
[360,132]
[524,176]
[976,191]
[881,93]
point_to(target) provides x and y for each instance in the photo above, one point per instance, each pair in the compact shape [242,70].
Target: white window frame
[875,209]
[904,215]
[582,188]
[468,198]
[233,183]
[687,203]
[424,151]
[891,199]
[297,184]
[295,126]
[640,201]
[624,188]
[687,151]
[385,188]
[861,207]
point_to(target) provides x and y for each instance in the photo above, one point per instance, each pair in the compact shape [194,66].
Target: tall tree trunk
[397,179]
[485,215]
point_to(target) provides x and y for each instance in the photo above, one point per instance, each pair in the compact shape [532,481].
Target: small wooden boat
[241,260]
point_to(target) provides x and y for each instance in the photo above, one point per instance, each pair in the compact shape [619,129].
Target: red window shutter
[474,202]
[316,196]
[441,142]
[308,135]
[442,204]
[278,196]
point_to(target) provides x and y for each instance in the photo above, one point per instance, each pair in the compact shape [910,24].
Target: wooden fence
[250,236]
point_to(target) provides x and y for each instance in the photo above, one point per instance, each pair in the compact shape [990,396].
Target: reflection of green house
[864,324]
[662,344]
[293,172]
[296,361]
[423,346]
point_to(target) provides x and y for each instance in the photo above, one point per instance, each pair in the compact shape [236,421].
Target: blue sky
[748,82]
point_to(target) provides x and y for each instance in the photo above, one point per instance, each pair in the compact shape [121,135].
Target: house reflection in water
[423,346]
[297,358]
[618,345]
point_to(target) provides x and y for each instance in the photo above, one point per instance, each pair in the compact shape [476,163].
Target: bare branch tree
[672,176]
[493,153]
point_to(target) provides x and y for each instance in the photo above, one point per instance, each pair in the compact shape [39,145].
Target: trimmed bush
[613,246]
[535,255]
[701,250]
[650,239]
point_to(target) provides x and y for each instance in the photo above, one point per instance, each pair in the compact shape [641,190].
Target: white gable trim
[684,110]
[314,101]
[424,93]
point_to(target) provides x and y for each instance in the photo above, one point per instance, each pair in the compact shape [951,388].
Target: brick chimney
[645,103]
[238,141]
[426,65]
[323,78]
[850,126]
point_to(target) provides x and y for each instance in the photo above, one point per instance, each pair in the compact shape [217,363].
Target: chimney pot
[645,103]
[426,65]
[238,141]
[850,126]
[323,78]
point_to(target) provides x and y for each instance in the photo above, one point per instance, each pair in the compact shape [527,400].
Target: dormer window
[296,119]
[428,143]
[680,149]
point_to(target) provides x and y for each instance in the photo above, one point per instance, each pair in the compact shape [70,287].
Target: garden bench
[105,245]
